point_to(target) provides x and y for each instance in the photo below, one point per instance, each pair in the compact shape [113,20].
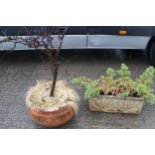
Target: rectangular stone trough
[115,104]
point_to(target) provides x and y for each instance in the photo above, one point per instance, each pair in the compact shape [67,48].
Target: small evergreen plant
[119,83]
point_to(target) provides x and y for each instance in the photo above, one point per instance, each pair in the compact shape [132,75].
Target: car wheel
[146,54]
[152,54]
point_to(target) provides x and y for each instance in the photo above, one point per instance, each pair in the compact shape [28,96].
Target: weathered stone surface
[130,105]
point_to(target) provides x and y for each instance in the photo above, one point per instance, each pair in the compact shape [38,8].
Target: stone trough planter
[105,94]
[114,104]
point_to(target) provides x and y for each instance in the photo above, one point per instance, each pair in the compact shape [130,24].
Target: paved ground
[20,70]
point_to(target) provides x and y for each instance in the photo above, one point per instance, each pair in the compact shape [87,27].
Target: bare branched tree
[49,38]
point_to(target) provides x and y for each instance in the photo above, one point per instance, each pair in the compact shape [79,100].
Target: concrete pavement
[20,70]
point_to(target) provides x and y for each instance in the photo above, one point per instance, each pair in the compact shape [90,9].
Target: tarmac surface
[19,70]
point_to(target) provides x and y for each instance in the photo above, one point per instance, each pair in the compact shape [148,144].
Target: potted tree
[55,102]
[117,92]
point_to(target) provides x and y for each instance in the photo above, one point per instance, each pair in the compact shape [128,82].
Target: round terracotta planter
[51,118]
[52,111]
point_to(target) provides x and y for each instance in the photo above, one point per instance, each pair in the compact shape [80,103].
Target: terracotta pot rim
[41,109]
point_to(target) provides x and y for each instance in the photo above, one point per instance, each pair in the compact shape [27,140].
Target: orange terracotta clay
[51,118]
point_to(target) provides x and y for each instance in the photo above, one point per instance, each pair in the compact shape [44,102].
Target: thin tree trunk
[55,68]
[56,63]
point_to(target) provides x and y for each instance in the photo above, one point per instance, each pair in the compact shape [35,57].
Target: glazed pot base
[52,119]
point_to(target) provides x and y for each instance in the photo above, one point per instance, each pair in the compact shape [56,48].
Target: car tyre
[152,54]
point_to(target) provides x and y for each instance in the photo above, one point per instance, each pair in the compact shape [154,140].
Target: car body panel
[81,37]
[117,42]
